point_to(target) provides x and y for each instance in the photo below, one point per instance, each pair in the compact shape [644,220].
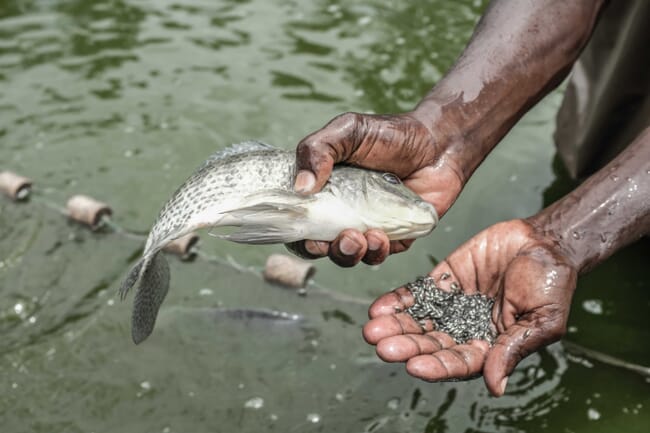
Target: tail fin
[154,284]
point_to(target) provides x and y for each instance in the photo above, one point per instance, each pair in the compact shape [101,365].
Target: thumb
[520,340]
[317,153]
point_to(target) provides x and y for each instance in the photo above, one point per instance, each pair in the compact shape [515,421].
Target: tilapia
[250,186]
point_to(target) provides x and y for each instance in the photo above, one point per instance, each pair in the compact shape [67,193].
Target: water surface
[123,99]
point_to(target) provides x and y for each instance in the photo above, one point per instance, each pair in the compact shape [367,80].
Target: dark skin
[530,268]
[520,50]
[436,147]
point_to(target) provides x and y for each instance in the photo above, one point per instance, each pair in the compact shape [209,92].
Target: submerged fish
[250,186]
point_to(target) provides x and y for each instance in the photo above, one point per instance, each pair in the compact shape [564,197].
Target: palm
[532,287]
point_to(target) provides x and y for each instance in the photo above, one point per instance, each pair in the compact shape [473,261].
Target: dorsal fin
[243,147]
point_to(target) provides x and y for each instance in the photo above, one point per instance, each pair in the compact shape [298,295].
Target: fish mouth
[429,207]
[418,224]
[423,229]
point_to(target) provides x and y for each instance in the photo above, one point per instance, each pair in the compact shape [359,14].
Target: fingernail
[305,181]
[316,248]
[502,385]
[374,244]
[348,246]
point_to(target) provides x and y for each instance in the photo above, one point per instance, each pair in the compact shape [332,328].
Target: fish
[250,186]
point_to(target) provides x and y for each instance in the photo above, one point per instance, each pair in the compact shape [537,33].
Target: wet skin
[520,50]
[530,267]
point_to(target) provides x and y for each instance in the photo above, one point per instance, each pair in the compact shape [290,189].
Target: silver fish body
[250,186]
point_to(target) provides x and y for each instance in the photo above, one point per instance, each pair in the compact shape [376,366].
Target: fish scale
[250,186]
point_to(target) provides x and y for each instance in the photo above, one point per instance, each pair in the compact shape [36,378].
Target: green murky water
[122,99]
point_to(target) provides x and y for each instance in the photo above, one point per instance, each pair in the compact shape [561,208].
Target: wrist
[549,228]
[461,140]
[609,210]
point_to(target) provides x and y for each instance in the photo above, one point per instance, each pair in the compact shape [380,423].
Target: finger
[317,153]
[515,344]
[457,362]
[348,248]
[378,247]
[401,348]
[392,302]
[308,249]
[400,246]
[397,324]
[317,248]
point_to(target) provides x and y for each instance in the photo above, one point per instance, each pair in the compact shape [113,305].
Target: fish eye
[391,178]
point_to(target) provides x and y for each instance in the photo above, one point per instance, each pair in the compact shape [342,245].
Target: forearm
[608,211]
[519,51]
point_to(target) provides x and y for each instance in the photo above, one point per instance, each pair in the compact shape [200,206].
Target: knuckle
[348,119]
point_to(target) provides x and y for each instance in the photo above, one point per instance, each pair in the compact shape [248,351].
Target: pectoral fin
[264,234]
[269,222]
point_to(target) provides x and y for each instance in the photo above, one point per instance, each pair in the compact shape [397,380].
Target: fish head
[384,202]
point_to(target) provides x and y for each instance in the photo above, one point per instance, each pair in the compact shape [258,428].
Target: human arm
[530,268]
[519,51]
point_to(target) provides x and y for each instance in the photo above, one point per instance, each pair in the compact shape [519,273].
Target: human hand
[529,278]
[400,144]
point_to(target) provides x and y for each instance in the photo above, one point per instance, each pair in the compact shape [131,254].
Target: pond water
[121,100]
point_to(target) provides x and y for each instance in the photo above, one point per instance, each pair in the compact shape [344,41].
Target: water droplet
[364,21]
[593,414]
[254,403]
[19,308]
[273,417]
[393,403]
[614,177]
[145,385]
[333,8]
[205,292]
[339,396]
[575,235]
[313,418]
[593,306]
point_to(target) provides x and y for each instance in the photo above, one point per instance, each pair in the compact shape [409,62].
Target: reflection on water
[122,99]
